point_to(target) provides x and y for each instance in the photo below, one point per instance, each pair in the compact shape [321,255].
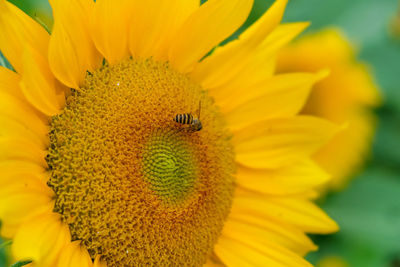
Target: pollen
[133,185]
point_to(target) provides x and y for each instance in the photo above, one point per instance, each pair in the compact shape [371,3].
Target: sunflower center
[169,167]
[131,183]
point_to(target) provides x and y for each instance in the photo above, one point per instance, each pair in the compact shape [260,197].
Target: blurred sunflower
[95,171]
[332,261]
[345,97]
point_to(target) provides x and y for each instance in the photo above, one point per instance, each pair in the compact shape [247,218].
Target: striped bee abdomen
[184,118]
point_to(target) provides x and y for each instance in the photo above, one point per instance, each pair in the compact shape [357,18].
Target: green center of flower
[133,185]
[169,167]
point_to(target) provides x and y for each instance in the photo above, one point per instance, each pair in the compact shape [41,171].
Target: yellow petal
[227,61]
[12,128]
[74,255]
[21,149]
[22,195]
[39,85]
[22,112]
[13,184]
[18,30]
[279,142]
[17,117]
[41,239]
[27,205]
[262,61]
[240,253]
[257,69]
[213,261]
[344,154]
[281,96]
[71,50]
[154,24]
[109,28]
[9,81]
[269,230]
[209,25]
[98,262]
[12,167]
[292,179]
[8,230]
[295,211]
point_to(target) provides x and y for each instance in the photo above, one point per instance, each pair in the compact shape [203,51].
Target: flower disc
[131,183]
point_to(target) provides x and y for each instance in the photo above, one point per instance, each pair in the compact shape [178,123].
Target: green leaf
[5,244]
[368,214]
[39,10]
[4,62]
[387,144]
[21,263]
[3,256]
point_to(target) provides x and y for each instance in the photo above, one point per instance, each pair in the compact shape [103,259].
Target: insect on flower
[187,118]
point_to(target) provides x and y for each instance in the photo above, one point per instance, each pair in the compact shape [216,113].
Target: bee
[187,118]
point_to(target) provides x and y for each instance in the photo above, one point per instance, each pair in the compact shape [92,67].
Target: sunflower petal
[244,253]
[22,112]
[227,61]
[292,179]
[18,30]
[73,254]
[12,128]
[41,239]
[12,167]
[258,69]
[21,195]
[209,25]
[213,261]
[9,81]
[8,230]
[98,262]
[71,50]
[109,28]
[282,96]
[21,149]
[279,232]
[155,23]
[23,182]
[277,143]
[39,85]
[262,62]
[299,212]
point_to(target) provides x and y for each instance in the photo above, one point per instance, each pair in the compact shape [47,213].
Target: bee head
[197,126]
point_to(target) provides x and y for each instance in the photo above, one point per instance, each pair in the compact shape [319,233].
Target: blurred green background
[368,211]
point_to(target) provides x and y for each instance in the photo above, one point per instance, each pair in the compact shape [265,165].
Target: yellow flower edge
[332,261]
[345,97]
[104,65]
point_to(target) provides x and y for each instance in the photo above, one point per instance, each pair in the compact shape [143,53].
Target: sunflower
[103,161]
[332,261]
[345,97]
